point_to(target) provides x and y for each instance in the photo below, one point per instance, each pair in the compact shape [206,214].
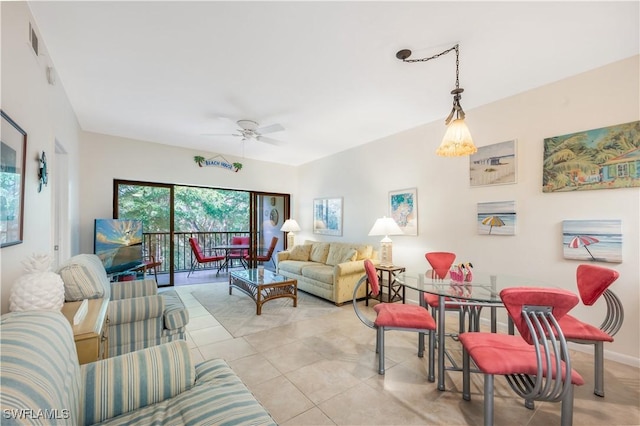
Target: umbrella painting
[592,240]
[492,221]
[497,218]
[583,241]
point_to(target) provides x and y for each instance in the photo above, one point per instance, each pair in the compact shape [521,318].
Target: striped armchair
[42,382]
[139,316]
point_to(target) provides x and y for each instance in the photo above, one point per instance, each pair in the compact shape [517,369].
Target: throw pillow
[300,252]
[339,253]
[84,277]
[319,252]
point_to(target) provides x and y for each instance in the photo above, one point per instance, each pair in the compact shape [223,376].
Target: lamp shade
[457,140]
[385,226]
[290,225]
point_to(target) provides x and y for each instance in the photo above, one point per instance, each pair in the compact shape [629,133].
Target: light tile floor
[324,372]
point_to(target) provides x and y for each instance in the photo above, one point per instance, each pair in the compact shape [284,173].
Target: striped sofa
[139,316]
[42,382]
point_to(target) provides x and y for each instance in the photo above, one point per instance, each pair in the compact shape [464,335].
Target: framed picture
[493,164]
[12,167]
[604,158]
[327,216]
[497,218]
[118,243]
[403,208]
[592,240]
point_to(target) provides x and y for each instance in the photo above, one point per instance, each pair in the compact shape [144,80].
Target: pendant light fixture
[457,140]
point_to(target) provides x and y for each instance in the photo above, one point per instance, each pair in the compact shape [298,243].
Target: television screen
[118,243]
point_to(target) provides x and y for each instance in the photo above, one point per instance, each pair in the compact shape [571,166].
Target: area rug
[237,312]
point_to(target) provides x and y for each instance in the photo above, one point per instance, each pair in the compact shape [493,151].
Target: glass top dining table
[469,297]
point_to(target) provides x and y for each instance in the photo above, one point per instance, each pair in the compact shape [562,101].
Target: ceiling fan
[249,129]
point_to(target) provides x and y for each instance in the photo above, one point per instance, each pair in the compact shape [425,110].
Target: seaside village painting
[603,158]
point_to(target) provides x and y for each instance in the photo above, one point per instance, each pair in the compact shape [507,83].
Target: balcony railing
[158,243]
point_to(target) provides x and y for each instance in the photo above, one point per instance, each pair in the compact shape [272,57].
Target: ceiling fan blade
[270,141]
[218,134]
[270,129]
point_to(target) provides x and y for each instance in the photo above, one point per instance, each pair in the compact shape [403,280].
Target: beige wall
[447,205]
[44,112]
[106,158]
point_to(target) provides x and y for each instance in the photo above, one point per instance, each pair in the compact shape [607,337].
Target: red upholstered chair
[441,262]
[392,316]
[200,257]
[536,363]
[266,257]
[593,282]
[241,253]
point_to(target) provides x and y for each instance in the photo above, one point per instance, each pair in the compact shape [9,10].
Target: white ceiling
[167,72]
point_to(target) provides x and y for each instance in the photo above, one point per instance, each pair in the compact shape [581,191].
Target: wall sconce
[457,140]
[291,227]
[386,226]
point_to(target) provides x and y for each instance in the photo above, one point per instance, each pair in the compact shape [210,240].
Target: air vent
[33,39]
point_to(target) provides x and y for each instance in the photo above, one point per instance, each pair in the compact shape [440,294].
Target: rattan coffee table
[262,289]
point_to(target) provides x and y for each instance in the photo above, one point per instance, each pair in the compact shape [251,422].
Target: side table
[395,291]
[91,334]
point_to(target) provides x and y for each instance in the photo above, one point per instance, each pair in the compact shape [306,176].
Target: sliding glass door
[172,214]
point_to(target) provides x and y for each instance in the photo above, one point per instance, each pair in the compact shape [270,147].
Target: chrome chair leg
[599,369]
[488,400]
[380,344]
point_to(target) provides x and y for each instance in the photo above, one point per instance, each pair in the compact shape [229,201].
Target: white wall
[105,158]
[447,205]
[44,112]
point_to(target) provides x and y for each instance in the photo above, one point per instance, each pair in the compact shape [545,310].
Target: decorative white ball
[40,291]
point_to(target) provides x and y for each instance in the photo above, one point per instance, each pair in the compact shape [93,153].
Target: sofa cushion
[322,273]
[293,266]
[84,277]
[300,252]
[319,252]
[339,253]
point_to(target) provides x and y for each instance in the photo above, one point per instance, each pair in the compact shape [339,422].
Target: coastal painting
[605,158]
[493,164]
[592,240]
[497,218]
[403,208]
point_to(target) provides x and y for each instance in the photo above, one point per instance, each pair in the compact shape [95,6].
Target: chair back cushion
[441,262]
[40,368]
[197,251]
[515,298]
[239,241]
[372,275]
[593,281]
[84,277]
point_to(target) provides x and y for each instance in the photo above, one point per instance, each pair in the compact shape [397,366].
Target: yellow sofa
[329,270]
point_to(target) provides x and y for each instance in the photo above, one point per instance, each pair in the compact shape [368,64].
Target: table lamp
[385,226]
[291,227]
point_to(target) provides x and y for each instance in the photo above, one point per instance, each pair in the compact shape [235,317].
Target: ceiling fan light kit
[457,140]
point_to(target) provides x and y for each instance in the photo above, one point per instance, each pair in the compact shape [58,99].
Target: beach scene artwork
[497,218]
[605,158]
[592,240]
[493,164]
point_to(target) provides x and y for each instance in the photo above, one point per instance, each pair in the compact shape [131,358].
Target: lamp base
[386,254]
[291,239]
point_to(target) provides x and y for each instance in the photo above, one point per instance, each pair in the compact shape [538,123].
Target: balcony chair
[393,316]
[263,258]
[241,253]
[200,256]
[593,282]
[536,363]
